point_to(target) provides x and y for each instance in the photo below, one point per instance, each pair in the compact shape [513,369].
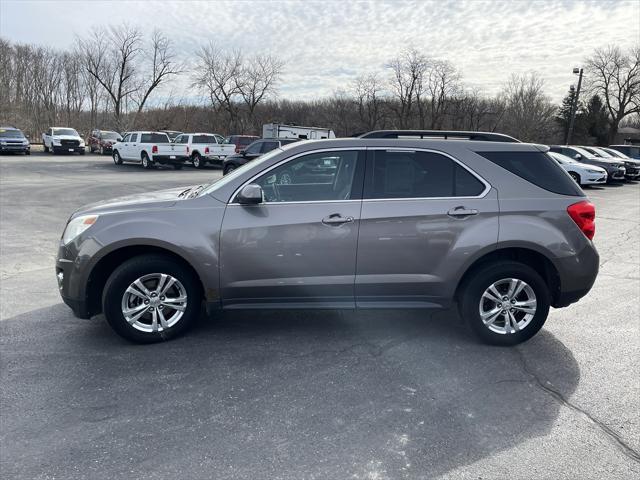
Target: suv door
[424,215]
[298,247]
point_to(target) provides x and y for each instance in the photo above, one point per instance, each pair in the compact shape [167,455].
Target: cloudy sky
[326,44]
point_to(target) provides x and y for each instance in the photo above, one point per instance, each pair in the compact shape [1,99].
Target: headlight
[594,171]
[82,143]
[76,226]
[2,142]
[56,141]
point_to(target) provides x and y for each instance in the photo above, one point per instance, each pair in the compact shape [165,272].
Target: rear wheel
[151,298]
[146,163]
[197,160]
[46,149]
[575,177]
[505,303]
[230,167]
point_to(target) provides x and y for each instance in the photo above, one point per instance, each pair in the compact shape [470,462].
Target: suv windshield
[11,134]
[65,131]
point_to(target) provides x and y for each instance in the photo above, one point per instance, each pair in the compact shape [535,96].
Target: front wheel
[228,168]
[46,149]
[151,298]
[505,303]
[116,158]
[575,176]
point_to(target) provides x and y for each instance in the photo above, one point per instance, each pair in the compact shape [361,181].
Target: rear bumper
[577,275]
[167,160]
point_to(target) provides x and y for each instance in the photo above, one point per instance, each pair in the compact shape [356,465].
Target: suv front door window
[300,245]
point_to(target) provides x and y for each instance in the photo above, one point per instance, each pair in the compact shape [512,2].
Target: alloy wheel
[508,306]
[154,302]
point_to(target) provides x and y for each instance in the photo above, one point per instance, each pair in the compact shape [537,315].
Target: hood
[66,137]
[139,201]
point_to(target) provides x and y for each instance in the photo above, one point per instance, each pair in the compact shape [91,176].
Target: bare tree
[116,59]
[408,71]
[257,80]
[443,81]
[217,73]
[615,76]
[528,111]
[368,92]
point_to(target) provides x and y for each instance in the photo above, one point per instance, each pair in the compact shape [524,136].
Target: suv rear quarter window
[537,168]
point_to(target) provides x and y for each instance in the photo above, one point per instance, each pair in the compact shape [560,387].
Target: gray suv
[497,228]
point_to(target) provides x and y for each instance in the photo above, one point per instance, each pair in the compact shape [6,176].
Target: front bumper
[71,291]
[617,174]
[632,172]
[66,149]
[594,178]
[15,148]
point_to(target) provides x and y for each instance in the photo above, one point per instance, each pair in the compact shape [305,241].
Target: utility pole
[574,106]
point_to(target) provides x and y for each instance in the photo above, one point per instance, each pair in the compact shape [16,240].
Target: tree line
[121,78]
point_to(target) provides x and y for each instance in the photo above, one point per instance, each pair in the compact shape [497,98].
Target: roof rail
[441,135]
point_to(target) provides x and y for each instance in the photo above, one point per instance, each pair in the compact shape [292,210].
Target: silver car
[497,229]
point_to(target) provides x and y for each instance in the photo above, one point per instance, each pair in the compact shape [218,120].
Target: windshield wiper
[196,191]
[185,192]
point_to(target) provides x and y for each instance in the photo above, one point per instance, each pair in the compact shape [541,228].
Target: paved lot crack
[625,448]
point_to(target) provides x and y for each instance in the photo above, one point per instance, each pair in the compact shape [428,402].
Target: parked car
[62,140]
[631,151]
[149,149]
[172,134]
[582,173]
[205,148]
[102,141]
[281,130]
[12,140]
[632,167]
[615,170]
[497,228]
[253,151]
[241,141]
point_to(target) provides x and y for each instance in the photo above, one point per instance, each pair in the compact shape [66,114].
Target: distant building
[627,135]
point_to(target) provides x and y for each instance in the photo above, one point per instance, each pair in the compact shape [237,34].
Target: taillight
[584,214]
[206,149]
[154,149]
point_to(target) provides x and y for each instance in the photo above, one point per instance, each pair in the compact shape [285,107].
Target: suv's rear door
[424,215]
[298,247]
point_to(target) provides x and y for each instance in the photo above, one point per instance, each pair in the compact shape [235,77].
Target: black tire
[228,168]
[177,166]
[28,152]
[52,150]
[472,290]
[101,149]
[146,163]
[135,268]
[82,152]
[117,159]
[196,160]
[46,149]
[575,176]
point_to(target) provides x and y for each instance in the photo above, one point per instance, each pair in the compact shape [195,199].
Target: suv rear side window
[537,168]
[417,174]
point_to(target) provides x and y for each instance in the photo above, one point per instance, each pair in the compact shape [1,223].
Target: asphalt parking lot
[305,395]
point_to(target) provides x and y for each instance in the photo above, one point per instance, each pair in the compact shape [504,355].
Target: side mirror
[251,194]
[242,152]
[578,156]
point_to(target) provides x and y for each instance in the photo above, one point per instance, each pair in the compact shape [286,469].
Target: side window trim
[360,166]
[369,164]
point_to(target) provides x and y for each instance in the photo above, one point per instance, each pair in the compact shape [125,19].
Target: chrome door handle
[335,219]
[461,212]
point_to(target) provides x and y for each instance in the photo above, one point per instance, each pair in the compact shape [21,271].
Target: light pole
[574,105]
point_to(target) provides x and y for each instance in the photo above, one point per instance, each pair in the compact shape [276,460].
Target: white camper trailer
[279,130]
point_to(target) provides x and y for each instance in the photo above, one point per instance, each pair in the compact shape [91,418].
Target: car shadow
[318,394]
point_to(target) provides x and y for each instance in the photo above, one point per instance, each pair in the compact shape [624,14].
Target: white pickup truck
[149,149]
[205,148]
[62,139]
